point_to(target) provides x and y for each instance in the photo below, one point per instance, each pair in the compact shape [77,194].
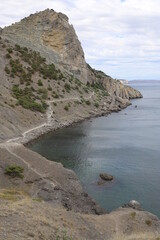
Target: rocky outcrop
[45,180]
[50,202]
[115,87]
[133,204]
[24,218]
[51,34]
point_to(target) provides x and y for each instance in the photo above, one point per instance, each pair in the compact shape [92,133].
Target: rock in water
[106,177]
[133,204]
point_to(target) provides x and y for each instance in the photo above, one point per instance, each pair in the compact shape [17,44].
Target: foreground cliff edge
[46,84]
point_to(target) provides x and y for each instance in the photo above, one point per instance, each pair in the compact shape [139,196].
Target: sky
[119,37]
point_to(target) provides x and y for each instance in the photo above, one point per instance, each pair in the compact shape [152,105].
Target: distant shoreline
[144,81]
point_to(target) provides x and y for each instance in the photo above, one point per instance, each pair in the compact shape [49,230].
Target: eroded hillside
[45,80]
[46,84]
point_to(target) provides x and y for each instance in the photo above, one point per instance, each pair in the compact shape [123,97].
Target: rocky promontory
[46,84]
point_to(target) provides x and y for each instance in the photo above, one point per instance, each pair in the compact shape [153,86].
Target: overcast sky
[120,37]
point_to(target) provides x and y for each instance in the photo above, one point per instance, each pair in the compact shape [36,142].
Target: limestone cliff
[46,48]
[51,34]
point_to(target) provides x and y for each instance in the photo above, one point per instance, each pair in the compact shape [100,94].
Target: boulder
[106,177]
[133,204]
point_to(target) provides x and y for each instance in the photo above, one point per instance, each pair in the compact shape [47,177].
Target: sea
[124,144]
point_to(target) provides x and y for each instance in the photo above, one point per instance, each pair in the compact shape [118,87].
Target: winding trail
[49,117]
[16,142]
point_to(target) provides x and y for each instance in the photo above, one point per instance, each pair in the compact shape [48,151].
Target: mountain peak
[46,16]
[50,33]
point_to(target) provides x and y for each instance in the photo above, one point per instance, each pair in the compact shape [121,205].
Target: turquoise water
[124,144]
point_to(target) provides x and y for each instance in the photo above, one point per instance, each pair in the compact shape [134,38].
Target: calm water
[124,144]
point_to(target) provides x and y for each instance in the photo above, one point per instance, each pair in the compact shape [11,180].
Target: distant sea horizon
[143,81]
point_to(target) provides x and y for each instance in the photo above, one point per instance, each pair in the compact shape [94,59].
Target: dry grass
[11,194]
[140,236]
[133,215]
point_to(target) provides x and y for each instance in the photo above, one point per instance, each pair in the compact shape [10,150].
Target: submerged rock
[106,176]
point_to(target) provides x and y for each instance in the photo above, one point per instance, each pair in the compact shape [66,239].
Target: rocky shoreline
[16,148]
[38,133]
[46,85]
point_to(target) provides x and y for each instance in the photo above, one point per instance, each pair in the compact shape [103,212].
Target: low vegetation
[27,99]
[133,215]
[35,81]
[15,171]
[88,102]
[11,194]
[148,222]
[66,108]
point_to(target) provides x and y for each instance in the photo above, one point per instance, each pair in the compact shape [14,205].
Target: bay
[124,144]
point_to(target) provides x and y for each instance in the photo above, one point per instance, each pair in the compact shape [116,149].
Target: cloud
[122,38]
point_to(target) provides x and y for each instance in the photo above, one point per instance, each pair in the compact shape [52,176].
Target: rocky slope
[50,33]
[47,84]
[44,39]
[35,219]
[49,203]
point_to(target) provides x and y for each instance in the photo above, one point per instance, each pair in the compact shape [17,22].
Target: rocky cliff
[51,34]
[46,84]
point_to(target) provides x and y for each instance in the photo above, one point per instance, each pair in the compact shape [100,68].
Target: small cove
[124,144]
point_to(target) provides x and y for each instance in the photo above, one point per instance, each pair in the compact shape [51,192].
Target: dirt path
[49,117]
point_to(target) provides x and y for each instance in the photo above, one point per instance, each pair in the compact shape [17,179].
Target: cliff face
[46,84]
[51,34]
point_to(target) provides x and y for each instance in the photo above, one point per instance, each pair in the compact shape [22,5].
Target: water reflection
[125,145]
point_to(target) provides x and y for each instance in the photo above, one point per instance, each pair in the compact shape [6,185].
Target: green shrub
[88,102]
[43,92]
[8,55]
[66,108]
[96,105]
[9,50]
[148,222]
[26,99]
[105,93]
[49,88]
[55,95]
[7,70]
[98,86]
[85,89]
[88,84]
[17,47]
[15,171]
[40,82]
[67,87]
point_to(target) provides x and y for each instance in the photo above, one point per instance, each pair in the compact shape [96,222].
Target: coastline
[60,188]
[53,125]
[15,145]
